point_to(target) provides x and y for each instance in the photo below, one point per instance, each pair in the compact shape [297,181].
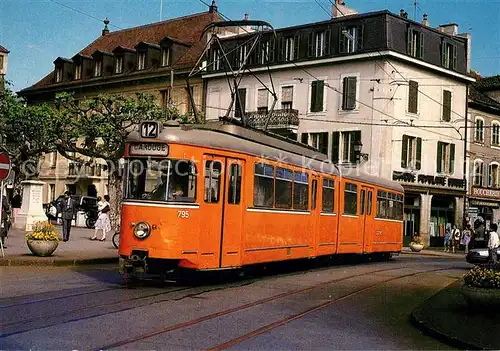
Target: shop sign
[484,203]
[428,180]
[485,192]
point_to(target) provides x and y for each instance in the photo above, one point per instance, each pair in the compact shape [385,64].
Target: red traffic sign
[4,166]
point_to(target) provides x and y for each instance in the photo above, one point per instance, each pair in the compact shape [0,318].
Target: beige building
[154,58]
[4,55]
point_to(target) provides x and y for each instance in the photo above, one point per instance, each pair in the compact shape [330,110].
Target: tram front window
[161,180]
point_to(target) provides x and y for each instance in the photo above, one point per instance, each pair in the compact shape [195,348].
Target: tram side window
[381,204]
[234,191]
[263,191]
[314,193]
[350,199]
[213,171]
[389,205]
[328,195]
[283,194]
[300,191]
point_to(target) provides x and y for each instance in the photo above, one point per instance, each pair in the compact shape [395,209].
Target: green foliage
[487,276]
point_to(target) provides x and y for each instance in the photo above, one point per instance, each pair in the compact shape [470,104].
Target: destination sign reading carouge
[149,149]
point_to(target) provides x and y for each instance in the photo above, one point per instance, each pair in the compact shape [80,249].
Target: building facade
[155,58]
[484,158]
[393,87]
[4,55]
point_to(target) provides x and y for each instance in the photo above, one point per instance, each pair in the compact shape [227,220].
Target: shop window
[350,199]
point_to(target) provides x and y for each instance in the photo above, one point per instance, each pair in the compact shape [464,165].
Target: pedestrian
[455,238]
[447,239]
[493,242]
[67,209]
[466,237]
[102,222]
[4,220]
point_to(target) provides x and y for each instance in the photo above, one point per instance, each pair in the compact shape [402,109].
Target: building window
[212,181]
[343,146]
[478,172]
[448,55]
[351,199]
[319,44]
[413,97]
[415,43]
[59,74]
[493,175]
[262,99]
[1,62]
[242,54]
[349,93]
[350,39]
[263,191]
[53,159]
[141,60]
[289,48]
[495,133]
[411,153]
[119,64]
[319,141]
[165,57]
[240,102]
[98,68]
[286,98]
[166,100]
[300,191]
[78,71]
[328,195]
[446,105]
[216,59]
[445,157]
[265,54]
[317,93]
[479,130]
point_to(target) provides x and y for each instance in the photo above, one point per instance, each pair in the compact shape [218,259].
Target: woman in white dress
[102,222]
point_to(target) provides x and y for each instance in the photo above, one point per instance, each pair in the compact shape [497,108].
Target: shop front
[484,203]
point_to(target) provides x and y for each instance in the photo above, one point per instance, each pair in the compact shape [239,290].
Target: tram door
[367,211]
[233,214]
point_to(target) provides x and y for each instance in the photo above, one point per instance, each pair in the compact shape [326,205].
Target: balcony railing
[280,119]
[80,170]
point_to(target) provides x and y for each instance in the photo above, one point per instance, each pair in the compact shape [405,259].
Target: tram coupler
[132,265]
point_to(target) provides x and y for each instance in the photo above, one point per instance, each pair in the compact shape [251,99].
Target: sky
[36,32]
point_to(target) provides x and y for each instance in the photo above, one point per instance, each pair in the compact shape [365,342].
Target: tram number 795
[184,214]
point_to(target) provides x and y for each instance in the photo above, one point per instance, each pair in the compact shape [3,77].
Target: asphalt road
[341,306]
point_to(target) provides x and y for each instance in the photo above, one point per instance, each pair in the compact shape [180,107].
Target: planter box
[416,247]
[41,247]
[482,298]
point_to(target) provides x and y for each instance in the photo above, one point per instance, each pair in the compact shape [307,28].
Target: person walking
[466,237]
[102,222]
[447,239]
[493,242]
[67,209]
[4,220]
[455,238]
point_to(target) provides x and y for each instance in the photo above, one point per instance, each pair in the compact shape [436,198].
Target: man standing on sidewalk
[494,242]
[67,209]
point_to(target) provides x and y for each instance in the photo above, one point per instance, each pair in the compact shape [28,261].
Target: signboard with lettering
[486,193]
[148,149]
[150,129]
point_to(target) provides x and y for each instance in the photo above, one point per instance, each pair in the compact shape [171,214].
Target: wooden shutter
[452,158]
[342,41]
[439,157]
[296,46]
[419,154]
[281,48]
[328,42]
[454,57]
[409,41]
[443,54]
[272,49]
[304,138]
[317,96]
[446,105]
[351,93]
[310,45]
[344,93]
[323,143]
[404,152]
[421,46]
[335,147]
[314,88]
[413,97]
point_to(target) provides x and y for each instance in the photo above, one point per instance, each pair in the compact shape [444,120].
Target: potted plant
[416,244]
[481,288]
[43,240]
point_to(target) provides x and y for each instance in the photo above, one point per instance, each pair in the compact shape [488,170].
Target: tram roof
[265,145]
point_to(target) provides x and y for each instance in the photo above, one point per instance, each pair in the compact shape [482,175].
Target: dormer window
[119,64]
[165,57]
[289,49]
[448,55]
[59,74]
[216,59]
[78,71]
[415,43]
[351,39]
[98,68]
[141,60]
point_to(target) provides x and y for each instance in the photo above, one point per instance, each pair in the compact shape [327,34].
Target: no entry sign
[4,166]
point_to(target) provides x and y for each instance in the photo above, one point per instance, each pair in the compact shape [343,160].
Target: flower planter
[42,247]
[416,247]
[482,298]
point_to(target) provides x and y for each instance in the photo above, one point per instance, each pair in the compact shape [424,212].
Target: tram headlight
[142,230]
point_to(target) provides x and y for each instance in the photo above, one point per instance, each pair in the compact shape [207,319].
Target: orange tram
[220,196]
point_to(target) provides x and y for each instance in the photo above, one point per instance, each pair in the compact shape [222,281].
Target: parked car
[481,255]
[87,204]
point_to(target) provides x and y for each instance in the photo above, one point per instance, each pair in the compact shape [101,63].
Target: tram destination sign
[148,149]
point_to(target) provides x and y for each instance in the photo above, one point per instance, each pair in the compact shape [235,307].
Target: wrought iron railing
[279,119]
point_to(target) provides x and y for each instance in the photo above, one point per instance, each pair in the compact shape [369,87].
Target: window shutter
[323,143]
[404,152]
[262,98]
[421,48]
[335,147]
[304,138]
[296,46]
[439,157]
[272,49]
[454,54]
[409,38]
[443,54]
[413,97]
[320,87]
[342,41]
[314,88]
[419,154]
[286,94]
[344,93]
[452,158]
[328,40]
[351,93]
[358,39]
[281,49]
[446,105]
[310,45]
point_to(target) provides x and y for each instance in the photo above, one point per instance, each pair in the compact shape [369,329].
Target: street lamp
[358,145]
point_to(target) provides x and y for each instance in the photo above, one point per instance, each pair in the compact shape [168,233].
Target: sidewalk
[79,250]
[438,252]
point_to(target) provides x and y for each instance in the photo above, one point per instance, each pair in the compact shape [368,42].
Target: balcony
[78,170]
[281,121]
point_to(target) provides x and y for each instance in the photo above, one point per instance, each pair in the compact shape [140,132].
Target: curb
[57,262]
[428,254]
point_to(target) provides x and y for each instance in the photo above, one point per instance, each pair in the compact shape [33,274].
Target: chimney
[246,16]
[402,12]
[340,9]
[405,15]
[450,29]
[425,20]
[213,7]
[105,30]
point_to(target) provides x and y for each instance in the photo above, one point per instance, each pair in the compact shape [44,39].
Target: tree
[98,128]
